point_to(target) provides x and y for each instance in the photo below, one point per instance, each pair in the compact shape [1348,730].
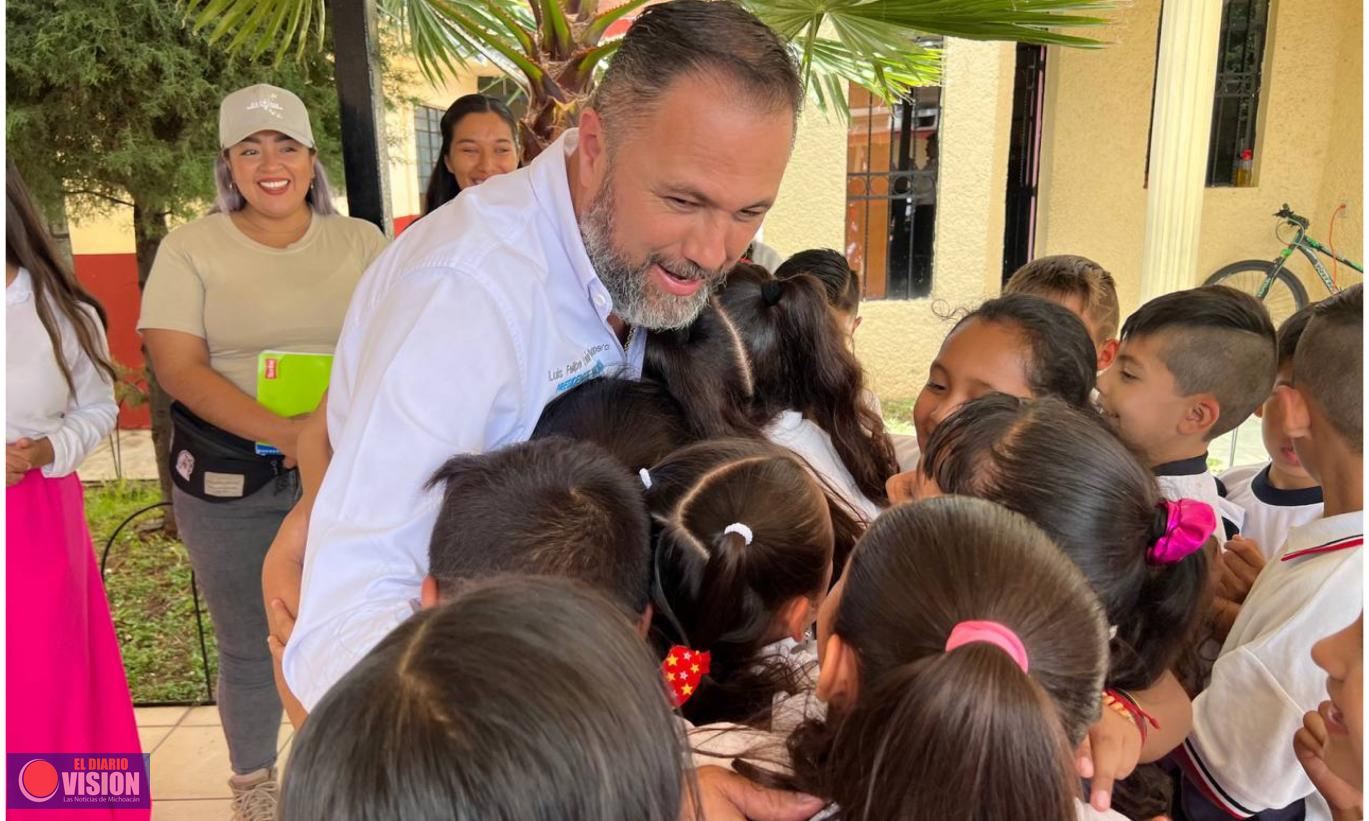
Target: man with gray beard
[528,285]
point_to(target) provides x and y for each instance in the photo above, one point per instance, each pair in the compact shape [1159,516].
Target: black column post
[361,104]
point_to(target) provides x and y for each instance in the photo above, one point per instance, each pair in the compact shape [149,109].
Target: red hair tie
[1188,525]
[682,669]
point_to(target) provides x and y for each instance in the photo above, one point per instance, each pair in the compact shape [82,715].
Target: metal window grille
[428,136]
[1230,157]
[891,191]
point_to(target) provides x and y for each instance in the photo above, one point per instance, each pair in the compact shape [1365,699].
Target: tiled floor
[190,761]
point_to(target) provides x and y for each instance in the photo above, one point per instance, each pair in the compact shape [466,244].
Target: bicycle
[1270,281]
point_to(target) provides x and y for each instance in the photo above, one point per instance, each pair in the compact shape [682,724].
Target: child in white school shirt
[1238,761]
[1192,365]
[1278,494]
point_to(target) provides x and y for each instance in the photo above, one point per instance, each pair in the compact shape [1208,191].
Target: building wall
[898,339]
[1308,150]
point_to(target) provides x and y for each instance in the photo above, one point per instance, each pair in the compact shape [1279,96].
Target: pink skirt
[64,678]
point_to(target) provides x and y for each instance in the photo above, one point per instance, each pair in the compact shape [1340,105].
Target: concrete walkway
[132,454]
[190,762]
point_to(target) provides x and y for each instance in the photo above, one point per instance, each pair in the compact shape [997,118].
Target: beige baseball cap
[263,107]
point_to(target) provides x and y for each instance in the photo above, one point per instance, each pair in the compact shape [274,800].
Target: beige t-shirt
[242,297]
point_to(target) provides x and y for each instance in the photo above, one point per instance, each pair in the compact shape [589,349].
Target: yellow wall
[405,196]
[1308,151]
[109,232]
[811,205]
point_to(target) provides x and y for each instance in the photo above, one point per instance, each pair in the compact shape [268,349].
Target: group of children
[1041,606]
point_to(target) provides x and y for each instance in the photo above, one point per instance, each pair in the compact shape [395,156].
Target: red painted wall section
[113,279]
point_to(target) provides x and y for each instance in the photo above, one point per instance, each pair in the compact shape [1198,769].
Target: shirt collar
[1270,495]
[1327,535]
[551,188]
[1193,466]
[20,290]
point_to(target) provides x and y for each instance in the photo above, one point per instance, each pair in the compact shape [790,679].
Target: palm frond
[601,23]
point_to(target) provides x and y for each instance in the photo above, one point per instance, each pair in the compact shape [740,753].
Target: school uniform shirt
[906,451]
[457,336]
[1239,760]
[38,401]
[803,436]
[1269,511]
[1191,479]
[720,743]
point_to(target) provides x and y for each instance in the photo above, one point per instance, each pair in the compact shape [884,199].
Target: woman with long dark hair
[479,141]
[64,679]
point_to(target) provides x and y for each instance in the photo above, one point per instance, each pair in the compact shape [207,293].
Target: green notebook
[291,384]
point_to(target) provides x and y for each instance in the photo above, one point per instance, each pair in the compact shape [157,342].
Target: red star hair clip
[682,669]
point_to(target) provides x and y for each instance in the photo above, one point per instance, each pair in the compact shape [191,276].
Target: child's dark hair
[55,287]
[1063,469]
[832,270]
[1196,323]
[764,346]
[522,698]
[741,529]
[635,420]
[442,184]
[552,507]
[1062,361]
[1329,364]
[1288,335]
[964,734]
[1070,275]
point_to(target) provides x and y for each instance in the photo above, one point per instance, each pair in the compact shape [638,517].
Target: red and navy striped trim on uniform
[1344,543]
[1198,773]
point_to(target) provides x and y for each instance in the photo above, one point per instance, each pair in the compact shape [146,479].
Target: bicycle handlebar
[1286,213]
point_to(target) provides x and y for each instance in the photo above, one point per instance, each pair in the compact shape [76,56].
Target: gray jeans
[227,542]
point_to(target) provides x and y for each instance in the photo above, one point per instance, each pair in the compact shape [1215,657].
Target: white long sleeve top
[38,402]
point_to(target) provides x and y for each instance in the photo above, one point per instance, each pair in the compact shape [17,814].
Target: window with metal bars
[891,191]
[1231,152]
[428,139]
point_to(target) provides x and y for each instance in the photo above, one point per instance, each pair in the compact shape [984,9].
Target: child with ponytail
[743,557]
[767,358]
[1062,468]
[962,659]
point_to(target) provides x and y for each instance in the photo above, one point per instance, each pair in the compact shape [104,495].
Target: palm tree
[556,49]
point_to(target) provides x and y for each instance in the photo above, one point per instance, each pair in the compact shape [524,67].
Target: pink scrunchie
[1190,524]
[988,632]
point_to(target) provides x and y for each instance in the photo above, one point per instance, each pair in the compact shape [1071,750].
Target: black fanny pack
[212,464]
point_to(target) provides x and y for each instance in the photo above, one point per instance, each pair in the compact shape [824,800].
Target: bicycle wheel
[1286,294]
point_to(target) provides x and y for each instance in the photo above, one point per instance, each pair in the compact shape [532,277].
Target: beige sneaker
[255,796]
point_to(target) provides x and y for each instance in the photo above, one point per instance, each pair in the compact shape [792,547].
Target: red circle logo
[38,780]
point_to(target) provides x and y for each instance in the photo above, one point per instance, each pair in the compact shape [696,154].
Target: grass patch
[898,415]
[147,580]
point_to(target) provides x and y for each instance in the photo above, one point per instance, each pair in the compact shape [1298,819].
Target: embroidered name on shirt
[573,369]
[1329,547]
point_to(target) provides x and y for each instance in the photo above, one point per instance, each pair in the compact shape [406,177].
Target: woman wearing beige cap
[271,267]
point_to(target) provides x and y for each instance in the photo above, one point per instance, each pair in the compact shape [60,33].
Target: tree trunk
[61,235]
[149,227]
